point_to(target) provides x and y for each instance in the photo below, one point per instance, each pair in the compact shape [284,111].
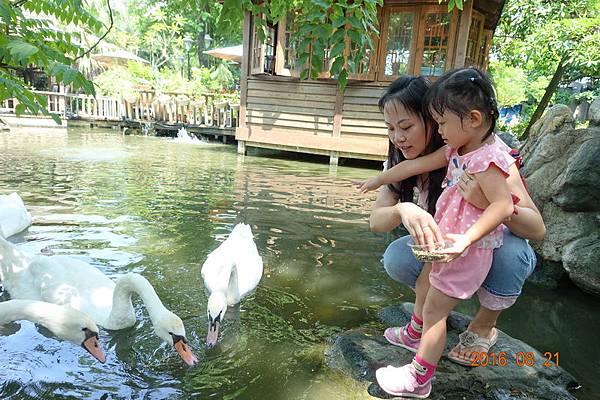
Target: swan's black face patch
[213,322]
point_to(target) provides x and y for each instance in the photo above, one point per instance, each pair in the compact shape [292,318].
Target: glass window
[399,41]
[435,46]
[475,41]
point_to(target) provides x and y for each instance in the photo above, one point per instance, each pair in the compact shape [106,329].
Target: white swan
[230,272]
[65,280]
[14,217]
[64,322]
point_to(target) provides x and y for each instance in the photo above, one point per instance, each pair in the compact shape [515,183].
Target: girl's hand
[469,189]
[458,245]
[368,185]
[419,224]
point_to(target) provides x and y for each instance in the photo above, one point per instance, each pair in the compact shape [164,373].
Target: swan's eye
[84,329]
[170,333]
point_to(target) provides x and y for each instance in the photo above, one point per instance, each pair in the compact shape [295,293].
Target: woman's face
[406,130]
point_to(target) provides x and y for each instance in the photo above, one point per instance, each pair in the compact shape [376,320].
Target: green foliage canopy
[30,35]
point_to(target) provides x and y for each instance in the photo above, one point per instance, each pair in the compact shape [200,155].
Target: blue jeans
[513,262]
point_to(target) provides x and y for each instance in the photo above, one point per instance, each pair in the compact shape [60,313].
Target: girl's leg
[409,335]
[512,263]
[414,379]
[421,289]
[401,265]
[435,312]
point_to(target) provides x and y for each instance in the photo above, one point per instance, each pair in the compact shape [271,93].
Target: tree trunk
[552,86]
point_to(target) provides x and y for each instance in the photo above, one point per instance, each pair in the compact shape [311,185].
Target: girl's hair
[410,92]
[462,90]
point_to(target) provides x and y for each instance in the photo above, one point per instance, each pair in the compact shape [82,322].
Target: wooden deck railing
[207,109]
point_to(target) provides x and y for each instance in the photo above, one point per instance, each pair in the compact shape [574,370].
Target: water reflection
[158,207]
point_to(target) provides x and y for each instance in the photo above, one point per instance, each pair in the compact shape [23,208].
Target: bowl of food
[429,253]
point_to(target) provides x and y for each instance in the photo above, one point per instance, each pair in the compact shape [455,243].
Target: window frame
[377,57]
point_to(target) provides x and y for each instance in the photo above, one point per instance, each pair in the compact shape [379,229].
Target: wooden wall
[361,118]
[300,116]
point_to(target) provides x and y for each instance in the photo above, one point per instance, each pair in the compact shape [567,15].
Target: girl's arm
[406,169]
[495,188]
[528,223]
[388,213]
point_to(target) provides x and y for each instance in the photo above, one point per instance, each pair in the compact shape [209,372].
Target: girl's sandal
[470,343]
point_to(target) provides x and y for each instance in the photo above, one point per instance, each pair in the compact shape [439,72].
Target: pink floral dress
[461,277]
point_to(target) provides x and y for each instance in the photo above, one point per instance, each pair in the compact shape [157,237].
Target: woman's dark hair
[410,92]
[462,90]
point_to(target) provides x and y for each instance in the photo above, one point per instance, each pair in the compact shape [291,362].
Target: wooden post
[463,34]
[241,148]
[246,34]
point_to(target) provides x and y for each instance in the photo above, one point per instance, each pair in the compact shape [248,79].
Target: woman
[412,133]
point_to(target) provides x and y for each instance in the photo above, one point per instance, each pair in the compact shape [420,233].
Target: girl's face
[406,130]
[451,128]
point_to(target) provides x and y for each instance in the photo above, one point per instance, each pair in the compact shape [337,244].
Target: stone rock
[581,259]
[594,112]
[358,353]
[562,167]
[547,274]
[510,139]
[556,118]
[581,186]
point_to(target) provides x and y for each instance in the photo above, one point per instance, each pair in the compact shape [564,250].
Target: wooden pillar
[241,148]
[244,68]
[334,158]
[463,34]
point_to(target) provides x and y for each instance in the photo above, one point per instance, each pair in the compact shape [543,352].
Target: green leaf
[20,109]
[451,5]
[337,50]
[21,49]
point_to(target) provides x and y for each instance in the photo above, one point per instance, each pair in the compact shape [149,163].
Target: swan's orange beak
[93,347]
[185,352]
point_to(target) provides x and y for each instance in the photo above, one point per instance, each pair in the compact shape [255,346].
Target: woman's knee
[512,263]
[400,264]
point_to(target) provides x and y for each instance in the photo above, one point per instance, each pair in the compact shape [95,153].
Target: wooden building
[279,111]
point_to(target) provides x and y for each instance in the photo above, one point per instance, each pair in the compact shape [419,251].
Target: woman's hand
[419,224]
[368,185]
[469,189]
[457,246]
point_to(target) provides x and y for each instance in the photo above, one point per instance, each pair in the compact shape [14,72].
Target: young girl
[463,104]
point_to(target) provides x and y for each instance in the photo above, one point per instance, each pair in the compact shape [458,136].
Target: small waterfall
[184,137]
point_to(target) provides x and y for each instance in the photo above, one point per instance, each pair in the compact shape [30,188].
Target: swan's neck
[30,310]
[122,314]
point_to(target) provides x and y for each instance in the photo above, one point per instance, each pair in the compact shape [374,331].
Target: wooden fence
[205,109]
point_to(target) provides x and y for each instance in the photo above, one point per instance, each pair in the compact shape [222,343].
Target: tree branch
[102,37]
[18,3]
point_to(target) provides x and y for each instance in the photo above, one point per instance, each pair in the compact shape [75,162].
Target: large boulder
[562,167]
[594,112]
[358,354]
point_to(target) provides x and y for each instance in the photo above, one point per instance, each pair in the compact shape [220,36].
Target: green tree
[31,35]
[554,40]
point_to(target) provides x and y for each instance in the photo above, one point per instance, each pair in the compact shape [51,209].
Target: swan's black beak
[183,349]
[92,346]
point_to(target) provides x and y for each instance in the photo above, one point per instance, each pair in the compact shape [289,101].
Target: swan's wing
[216,271]
[67,280]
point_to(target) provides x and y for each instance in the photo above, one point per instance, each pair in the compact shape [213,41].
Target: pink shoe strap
[424,369]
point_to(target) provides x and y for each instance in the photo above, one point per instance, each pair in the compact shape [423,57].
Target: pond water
[158,207]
